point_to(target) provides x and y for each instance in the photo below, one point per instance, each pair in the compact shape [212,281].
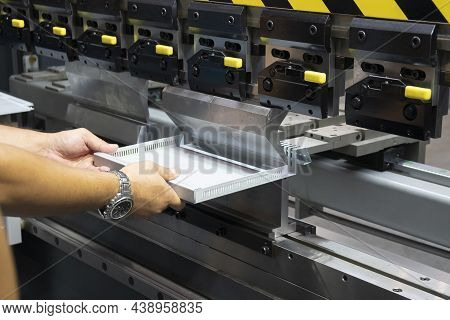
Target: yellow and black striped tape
[419,10]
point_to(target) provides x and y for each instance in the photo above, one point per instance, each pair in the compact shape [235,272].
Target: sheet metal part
[12,105]
[196,169]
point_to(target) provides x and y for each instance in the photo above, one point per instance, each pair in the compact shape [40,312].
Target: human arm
[31,185]
[73,147]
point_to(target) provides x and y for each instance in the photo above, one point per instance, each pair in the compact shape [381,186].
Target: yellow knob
[60,31]
[164,50]
[417,93]
[315,77]
[233,62]
[18,23]
[110,40]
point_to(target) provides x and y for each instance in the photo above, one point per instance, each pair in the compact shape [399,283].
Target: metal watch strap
[124,191]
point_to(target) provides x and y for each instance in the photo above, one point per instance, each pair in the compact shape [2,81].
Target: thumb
[95,144]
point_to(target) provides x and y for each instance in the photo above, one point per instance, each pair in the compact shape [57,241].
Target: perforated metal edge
[198,195]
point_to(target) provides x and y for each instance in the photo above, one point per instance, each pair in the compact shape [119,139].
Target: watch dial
[121,209]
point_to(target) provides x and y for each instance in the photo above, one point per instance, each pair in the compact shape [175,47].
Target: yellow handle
[18,23]
[417,93]
[164,50]
[233,62]
[315,77]
[60,31]
[110,40]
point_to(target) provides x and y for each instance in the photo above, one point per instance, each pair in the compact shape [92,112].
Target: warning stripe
[419,10]
[343,6]
[310,5]
[423,10]
[381,8]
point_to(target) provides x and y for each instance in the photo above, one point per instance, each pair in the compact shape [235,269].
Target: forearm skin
[33,141]
[31,185]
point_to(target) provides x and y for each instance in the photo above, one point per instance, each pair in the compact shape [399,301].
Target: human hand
[151,193]
[75,148]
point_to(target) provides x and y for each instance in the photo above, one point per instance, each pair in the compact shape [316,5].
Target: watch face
[121,209]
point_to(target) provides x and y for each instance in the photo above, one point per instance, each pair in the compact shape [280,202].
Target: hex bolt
[309,94]
[196,15]
[356,103]
[195,71]
[134,7]
[410,112]
[362,36]
[229,77]
[265,250]
[312,29]
[267,84]
[269,25]
[415,42]
[230,20]
[163,12]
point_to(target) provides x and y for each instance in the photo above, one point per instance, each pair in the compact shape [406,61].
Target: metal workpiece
[194,184]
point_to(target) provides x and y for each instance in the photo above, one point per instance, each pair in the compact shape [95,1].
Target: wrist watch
[119,206]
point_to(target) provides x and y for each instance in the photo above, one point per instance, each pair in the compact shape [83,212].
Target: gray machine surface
[349,209]
[369,247]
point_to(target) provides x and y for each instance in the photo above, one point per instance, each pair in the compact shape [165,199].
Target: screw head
[362,36]
[356,103]
[196,15]
[163,12]
[269,25]
[265,250]
[82,48]
[267,84]
[415,42]
[195,71]
[310,94]
[229,77]
[134,7]
[107,53]
[230,20]
[410,112]
[312,29]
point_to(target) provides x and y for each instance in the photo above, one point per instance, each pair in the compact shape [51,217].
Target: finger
[174,200]
[95,144]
